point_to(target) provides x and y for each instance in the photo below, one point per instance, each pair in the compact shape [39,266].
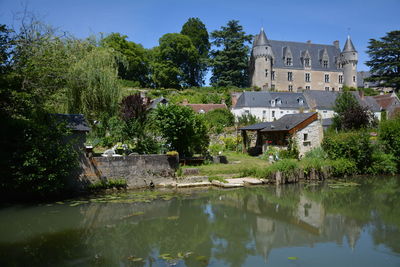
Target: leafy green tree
[93,86]
[195,29]
[389,136]
[217,119]
[385,60]
[135,63]
[184,130]
[350,114]
[173,61]
[230,62]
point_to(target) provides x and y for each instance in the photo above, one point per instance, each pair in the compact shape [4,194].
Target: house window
[327,88]
[266,73]
[325,111]
[273,75]
[272,86]
[307,77]
[289,61]
[247,111]
[290,76]
[340,88]
[290,88]
[306,137]
[340,78]
[281,112]
[273,114]
[307,62]
[325,63]
[307,87]
[327,78]
[354,78]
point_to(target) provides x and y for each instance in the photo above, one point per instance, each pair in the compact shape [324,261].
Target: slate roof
[297,49]
[256,127]
[264,99]
[320,99]
[327,122]
[348,46]
[76,122]
[287,122]
[261,39]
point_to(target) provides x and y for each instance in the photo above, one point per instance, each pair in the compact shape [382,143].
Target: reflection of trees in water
[226,225]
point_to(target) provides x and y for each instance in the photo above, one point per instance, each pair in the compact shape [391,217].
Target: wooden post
[244,139]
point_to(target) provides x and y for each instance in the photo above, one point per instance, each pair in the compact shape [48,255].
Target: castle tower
[261,62]
[349,59]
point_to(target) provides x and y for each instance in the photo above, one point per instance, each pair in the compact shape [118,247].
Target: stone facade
[137,170]
[309,137]
[294,66]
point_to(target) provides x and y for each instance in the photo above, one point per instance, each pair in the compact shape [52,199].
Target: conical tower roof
[348,46]
[261,39]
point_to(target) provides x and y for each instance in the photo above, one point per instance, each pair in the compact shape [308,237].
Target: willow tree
[93,87]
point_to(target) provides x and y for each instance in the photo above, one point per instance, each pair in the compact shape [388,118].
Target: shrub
[218,119]
[316,153]
[342,167]
[390,138]
[286,166]
[382,163]
[215,149]
[231,142]
[247,119]
[309,163]
[355,146]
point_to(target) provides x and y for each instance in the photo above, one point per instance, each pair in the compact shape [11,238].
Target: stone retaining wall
[137,170]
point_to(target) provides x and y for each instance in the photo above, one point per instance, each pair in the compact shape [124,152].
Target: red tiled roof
[384,101]
[205,107]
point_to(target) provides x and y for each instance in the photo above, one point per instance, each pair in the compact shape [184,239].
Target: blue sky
[145,21]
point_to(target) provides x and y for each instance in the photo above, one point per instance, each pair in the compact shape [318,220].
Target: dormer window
[325,64]
[278,101]
[300,101]
[307,62]
[289,61]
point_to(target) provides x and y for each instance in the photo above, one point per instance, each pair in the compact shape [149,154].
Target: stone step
[182,185]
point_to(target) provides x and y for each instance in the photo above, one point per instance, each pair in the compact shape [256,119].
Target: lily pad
[292,258]
[135,259]
[172,218]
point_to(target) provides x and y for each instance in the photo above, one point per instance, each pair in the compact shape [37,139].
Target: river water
[345,223]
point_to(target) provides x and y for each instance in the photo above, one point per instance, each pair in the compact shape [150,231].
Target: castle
[295,66]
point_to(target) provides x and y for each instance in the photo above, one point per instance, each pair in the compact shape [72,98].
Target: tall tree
[135,63]
[197,32]
[230,62]
[385,60]
[173,60]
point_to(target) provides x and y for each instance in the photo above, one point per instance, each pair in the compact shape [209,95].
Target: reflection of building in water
[304,223]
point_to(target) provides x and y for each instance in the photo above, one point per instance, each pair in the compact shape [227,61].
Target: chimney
[309,42]
[234,98]
[361,94]
[185,102]
[336,44]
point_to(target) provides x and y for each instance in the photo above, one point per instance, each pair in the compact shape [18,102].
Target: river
[342,223]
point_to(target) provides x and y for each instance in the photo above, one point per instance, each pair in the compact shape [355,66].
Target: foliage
[316,153]
[350,115]
[174,61]
[230,62]
[286,166]
[385,60]
[40,157]
[354,146]
[218,119]
[195,29]
[108,184]
[217,178]
[342,167]
[216,148]
[134,107]
[231,142]
[93,87]
[389,137]
[292,151]
[382,163]
[183,130]
[135,66]
[247,119]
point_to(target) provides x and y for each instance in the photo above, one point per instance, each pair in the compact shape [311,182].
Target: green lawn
[237,162]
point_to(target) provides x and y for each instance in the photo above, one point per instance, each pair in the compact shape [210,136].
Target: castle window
[290,88]
[307,77]
[273,86]
[289,61]
[290,76]
[325,64]
[308,87]
[273,75]
[340,88]
[266,73]
[327,78]
[327,88]
[273,114]
[354,78]
[340,78]
[307,62]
